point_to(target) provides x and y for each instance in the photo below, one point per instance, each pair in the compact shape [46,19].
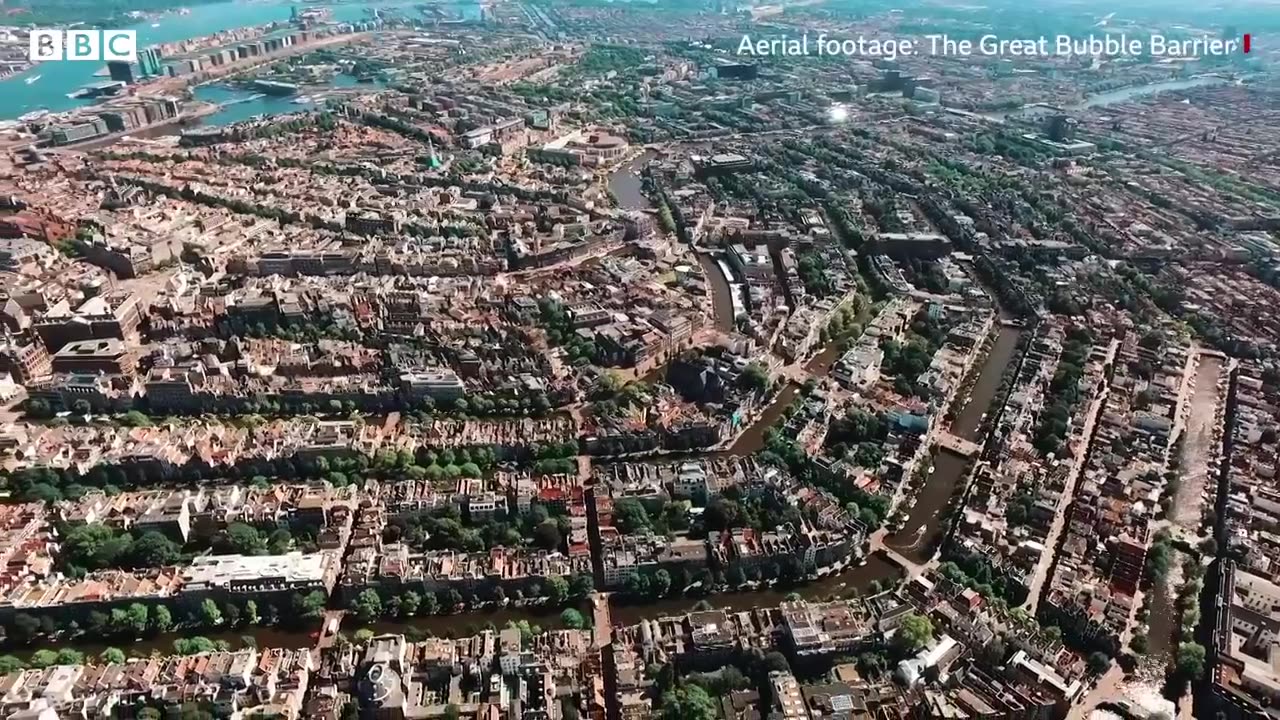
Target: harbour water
[241,105]
[58,79]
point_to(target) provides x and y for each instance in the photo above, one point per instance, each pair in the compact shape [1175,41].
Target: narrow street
[1041,574]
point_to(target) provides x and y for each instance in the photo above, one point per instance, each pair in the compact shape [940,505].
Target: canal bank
[721,294]
[927,524]
[458,625]
[627,187]
[925,529]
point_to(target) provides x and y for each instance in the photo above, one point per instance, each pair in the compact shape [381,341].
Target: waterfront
[626,185]
[628,191]
[58,79]
[846,584]
[721,293]
[240,105]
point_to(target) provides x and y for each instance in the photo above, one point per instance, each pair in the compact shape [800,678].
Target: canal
[459,625]
[916,541]
[847,584]
[721,294]
[923,532]
[628,189]
[626,185]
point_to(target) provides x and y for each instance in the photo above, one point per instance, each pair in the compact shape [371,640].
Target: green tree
[557,589]
[689,702]
[10,664]
[279,542]
[25,627]
[660,583]
[775,662]
[250,613]
[914,633]
[99,623]
[1098,662]
[151,550]
[161,619]
[133,418]
[755,378]
[242,539]
[573,619]
[136,615]
[367,605]
[94,546]
[409,603]
[209,613]
[43,659]
[39,409]
[581,585]
[112,656]
[193,645]
[312,605]
[630,516]
[1191,660]
[547,536]
[1138,644]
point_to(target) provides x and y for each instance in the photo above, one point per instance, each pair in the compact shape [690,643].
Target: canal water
[459,625]
[923,532]
[1197,461]
[847,584]
[626,185]
[752,439]
[721,293]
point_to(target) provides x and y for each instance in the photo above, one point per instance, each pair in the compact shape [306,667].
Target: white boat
[32,79]
[155,24]
[304,100]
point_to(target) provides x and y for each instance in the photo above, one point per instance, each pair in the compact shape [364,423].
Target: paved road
[1041,573]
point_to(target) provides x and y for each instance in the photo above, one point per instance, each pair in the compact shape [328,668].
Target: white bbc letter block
[45,45]
[120,45]
[83,45]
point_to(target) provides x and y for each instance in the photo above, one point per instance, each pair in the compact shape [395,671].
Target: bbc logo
[98,45]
